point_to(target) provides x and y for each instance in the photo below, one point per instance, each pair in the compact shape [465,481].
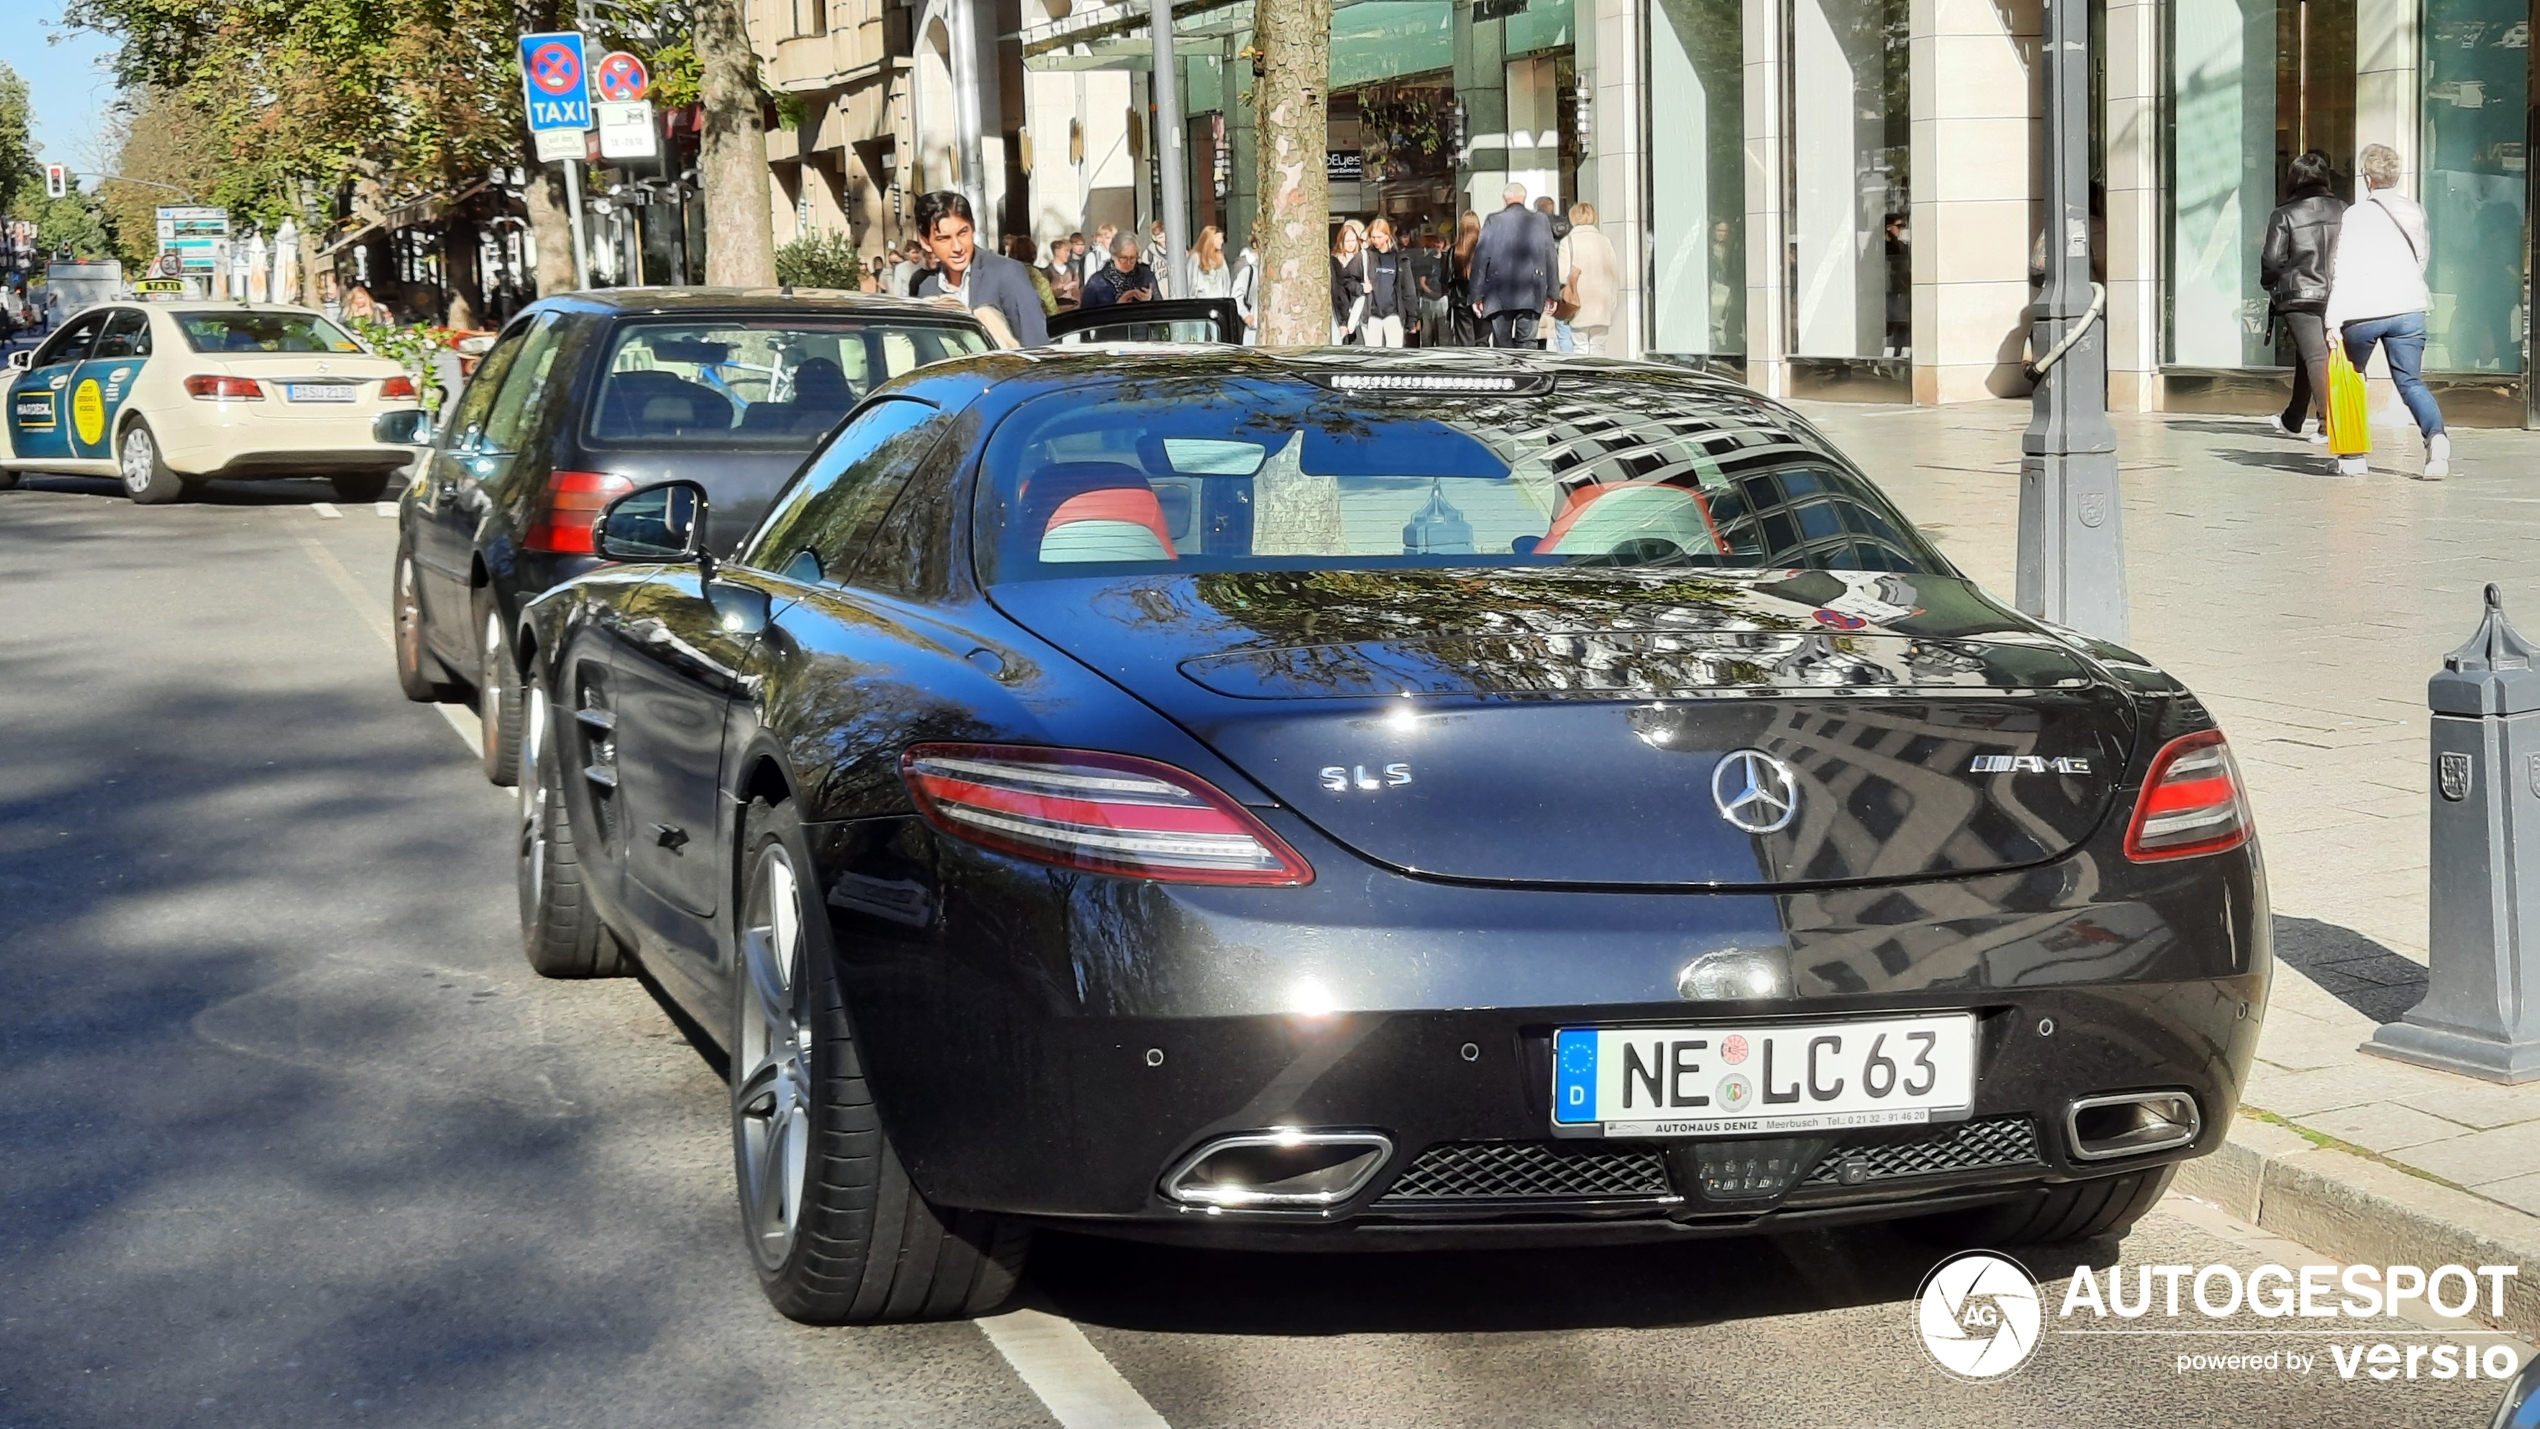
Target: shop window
[1851,189]
[2474,181]
[1697,168]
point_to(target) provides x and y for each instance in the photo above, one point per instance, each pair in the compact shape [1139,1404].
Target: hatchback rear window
[777,383]
[1261,474]
[263,332]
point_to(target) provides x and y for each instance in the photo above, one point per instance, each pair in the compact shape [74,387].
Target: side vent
[595,731]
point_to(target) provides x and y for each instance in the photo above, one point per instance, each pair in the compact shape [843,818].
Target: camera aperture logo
[1979,1315]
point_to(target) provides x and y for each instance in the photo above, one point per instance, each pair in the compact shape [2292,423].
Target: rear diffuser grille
[1965,1146]
[1529,1171]
[1469,1172]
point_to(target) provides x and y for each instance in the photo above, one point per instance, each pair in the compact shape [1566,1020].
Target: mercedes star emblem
[1755,791]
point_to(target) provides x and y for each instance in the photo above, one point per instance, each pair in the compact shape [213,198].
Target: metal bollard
[2481,1015]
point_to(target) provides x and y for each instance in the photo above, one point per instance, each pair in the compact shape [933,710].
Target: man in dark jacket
[2294,266]
[1513,268]
[983,282]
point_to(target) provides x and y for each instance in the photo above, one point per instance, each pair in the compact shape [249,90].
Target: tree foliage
[18,170]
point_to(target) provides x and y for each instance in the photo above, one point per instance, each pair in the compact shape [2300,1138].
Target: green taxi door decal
[104,380]
[40,400]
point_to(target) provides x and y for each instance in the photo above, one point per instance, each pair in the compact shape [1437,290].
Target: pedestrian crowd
[2350,277]
[1528,277]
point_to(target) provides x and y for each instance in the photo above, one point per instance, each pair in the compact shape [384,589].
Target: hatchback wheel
[146,478]
[497,694]
[419,672]
[839,1234]
[560,932]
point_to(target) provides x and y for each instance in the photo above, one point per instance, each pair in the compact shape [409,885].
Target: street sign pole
[1167,146]
[573,215]
[2072,531]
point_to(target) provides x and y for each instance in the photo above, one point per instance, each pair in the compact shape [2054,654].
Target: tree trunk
[550,226]
[732,162]
[1289,99]
[460,278]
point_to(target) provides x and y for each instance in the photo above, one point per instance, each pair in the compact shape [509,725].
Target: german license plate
[1729,1081]
[318,392]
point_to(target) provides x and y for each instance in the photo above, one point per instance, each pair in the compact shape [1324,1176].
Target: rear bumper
[224,439]
[1049,1045]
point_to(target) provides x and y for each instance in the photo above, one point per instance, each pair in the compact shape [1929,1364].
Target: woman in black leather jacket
[2294,267]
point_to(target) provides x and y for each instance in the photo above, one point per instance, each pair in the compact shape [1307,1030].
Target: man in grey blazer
[981,280]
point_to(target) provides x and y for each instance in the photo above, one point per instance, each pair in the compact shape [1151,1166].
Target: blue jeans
[2403,338]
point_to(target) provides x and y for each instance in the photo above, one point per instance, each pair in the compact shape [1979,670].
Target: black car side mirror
[665,523]
[410,428]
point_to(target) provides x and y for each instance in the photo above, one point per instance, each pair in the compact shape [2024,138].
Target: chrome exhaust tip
[2104,1128]
[1280,1169]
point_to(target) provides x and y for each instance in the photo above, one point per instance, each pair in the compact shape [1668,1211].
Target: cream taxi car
[167,394]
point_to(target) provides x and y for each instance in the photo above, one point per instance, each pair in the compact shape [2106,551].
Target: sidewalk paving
[2307,610]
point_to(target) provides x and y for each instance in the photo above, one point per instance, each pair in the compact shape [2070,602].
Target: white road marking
[327,510]
[1075,1382]
[385,508]
[460,717]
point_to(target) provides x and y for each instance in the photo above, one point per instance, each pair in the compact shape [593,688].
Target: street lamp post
[2072,530]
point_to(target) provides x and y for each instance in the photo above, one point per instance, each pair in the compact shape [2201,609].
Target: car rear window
[779,383]
[247,331]
[1261,474]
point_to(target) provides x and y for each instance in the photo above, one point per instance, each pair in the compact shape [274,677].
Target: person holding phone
[1125,280]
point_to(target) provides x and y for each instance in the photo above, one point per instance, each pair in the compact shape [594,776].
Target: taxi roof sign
[148,287]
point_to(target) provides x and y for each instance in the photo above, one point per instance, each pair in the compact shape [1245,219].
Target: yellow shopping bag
[2347,433]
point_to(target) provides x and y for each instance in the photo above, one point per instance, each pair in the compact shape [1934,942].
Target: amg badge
[2027,764]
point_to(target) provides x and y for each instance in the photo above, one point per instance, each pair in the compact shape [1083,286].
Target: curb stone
[2363,1212]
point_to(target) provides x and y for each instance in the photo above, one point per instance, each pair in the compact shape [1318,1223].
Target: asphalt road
[290,1135]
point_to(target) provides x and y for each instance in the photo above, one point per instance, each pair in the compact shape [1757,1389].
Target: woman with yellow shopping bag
[2377,298]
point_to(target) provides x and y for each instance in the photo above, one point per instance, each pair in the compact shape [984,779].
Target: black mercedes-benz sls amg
[1325,800]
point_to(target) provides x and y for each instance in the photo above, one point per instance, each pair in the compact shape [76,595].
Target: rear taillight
[208,388]
[573,501]
[1105,812]
[397,387]
[2192,802]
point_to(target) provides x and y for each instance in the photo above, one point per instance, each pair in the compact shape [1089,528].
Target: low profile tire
[560,932]
[420,673]
[498,694]
[839,1234]
[8,481]
[146,478]
[359,486]
[2074,1211]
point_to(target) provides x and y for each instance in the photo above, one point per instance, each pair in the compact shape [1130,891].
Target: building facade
[1825,198]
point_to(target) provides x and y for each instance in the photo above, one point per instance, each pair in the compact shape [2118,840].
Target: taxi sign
[159,285]
[553,84]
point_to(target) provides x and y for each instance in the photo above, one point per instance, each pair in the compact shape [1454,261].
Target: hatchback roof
[709,300]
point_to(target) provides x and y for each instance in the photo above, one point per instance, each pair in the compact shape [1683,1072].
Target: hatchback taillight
[398,387]
[2192,802]
[208,388]
[572,503]
[1108,813]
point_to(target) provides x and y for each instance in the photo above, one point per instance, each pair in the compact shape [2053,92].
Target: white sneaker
[2438,457]
[2276,425]
[2318,437]
[2353,465]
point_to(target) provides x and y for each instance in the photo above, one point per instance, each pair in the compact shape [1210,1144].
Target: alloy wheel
[140,460]
[533,805]
[489,687]
[409,614]
[771,1102]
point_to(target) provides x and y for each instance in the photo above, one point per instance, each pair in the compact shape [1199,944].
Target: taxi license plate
[1760,1078]
[318,392]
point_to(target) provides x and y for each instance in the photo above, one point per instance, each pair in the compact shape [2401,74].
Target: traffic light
[57,180]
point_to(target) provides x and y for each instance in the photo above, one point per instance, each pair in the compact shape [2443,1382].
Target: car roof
[205,305]
[780,300]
